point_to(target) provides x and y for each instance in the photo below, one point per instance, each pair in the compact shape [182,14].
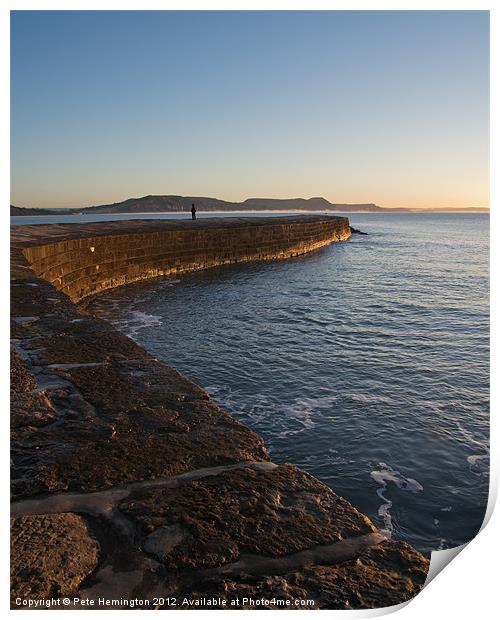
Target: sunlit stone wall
[83,266]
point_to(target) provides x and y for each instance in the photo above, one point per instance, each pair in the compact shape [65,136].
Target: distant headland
[173,204]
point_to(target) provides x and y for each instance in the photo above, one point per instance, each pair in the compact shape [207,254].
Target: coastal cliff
[172,204]
[129,482]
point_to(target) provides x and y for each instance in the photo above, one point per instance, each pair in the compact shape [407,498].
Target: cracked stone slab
[382,575]
[51,555]
[271,513]
[111,412]
[105,503]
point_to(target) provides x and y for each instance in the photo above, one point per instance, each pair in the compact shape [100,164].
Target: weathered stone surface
[21,380]
[272,513]
[383,575]
[181,497]
[163,540]
[50,555]
[125,421]
[83,259]
[103,404]
[32,409]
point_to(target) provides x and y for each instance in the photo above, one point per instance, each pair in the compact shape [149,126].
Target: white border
[467,587]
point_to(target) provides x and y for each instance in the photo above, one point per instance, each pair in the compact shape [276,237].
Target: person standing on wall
[193,212]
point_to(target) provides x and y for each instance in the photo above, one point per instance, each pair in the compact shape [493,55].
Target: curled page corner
[375,612]
[440,559]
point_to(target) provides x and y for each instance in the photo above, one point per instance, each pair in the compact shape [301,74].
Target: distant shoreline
[64,211]
[161,204]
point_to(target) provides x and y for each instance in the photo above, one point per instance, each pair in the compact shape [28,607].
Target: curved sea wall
[129,251]
[130,487]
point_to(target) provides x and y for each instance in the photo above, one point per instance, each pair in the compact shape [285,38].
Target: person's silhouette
[193,212]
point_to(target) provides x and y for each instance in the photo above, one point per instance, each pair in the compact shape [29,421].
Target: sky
[384,107]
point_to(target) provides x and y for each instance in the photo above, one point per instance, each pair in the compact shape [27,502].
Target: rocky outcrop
[355,231]
[129,483]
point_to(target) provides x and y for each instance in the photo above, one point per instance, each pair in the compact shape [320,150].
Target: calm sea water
[365,363]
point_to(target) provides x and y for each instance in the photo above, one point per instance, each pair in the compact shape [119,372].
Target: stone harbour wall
[84,266]
[128,482]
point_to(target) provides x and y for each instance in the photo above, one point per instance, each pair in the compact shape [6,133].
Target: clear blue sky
[385,107]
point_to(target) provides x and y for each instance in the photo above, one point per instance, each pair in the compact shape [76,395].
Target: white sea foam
[478,463]
[139,320]
[336,459]
[217,390]
[302,411]
[369,399]
[474,458]
[383,475]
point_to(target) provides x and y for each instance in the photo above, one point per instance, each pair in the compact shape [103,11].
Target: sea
[366,363]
